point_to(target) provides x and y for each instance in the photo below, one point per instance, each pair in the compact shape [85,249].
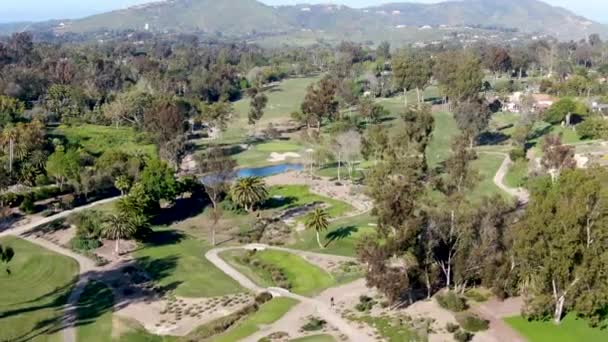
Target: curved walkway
[86,265]
[321,308]
[522,195]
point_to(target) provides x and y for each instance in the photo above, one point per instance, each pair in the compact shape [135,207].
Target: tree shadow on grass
[183,208]
[278,202]
[132,282]
[163,237]
[340,234]
[492,138]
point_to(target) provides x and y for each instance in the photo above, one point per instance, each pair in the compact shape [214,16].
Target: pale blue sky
[26,10]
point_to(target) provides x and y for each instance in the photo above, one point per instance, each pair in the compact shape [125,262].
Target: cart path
[319,304]
[522,195]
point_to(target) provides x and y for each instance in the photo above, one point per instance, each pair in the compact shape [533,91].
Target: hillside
[244,17]
[232,17]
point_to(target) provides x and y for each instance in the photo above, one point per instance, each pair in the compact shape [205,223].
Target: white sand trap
[280,157]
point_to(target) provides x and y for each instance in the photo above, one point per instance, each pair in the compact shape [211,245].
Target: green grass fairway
[182,265]
[33,295]
[486,166]
[258,154]
[97,139]
[517,174]
[342,236]
[233,258]
[445,130]
[315,338]
[284,99]
[268,313]
[132,331]
[571,329]
[298,195]
[95,313]
[306,279]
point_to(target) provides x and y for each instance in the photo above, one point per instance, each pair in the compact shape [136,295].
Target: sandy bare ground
[494,311]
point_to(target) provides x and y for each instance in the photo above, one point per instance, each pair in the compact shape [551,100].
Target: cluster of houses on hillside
[519,102]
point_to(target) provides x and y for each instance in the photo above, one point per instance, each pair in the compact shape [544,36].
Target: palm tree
[318,221]
[6,255]
[118,227]
[249,191]
[122,183]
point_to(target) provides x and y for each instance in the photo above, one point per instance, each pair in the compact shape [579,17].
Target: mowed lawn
[97,139]
[571,329]
[283,100]
[439,148]
[268,313]
[95,313]
[258,154]
[305,278]
[340,238]
[297,195]
[181,265]
[32,296]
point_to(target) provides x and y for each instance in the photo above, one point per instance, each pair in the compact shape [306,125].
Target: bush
[27,205]
[451,327]
[451,301]
[463,336]
[594,127]
[12,199]
[81,244]
[88,224]
[365,303]
[473,323]
[263,298]
[517,154]
[314,324]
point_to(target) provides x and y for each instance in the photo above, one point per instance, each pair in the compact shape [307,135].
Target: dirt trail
[86,265]
[319,304]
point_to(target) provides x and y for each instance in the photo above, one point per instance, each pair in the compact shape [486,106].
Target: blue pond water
[269,170]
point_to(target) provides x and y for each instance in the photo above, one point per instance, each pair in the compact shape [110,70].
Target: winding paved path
[321,307]
[85,264]
[522,195]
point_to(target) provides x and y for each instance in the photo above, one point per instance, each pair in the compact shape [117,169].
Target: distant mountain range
[250,17]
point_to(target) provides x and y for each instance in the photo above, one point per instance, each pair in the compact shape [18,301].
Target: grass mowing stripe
[33,295]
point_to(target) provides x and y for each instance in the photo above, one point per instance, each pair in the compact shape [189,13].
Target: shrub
[27,205]
[12,199]
[451,327]
[81,244]
[314,324]
[594,127]
[263,298]
[88,224]
[517,154]
[451,301]
[463,336]
[476,295]
[473,323]
[365,303]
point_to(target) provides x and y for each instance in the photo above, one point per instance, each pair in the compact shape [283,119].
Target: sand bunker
[281,157]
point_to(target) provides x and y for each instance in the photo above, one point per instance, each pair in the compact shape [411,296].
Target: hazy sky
[26,10]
